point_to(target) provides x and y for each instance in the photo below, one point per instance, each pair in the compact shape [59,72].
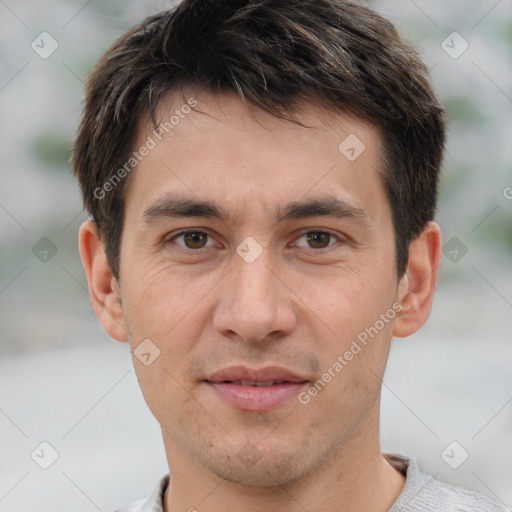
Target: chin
[252,467]
[261,476]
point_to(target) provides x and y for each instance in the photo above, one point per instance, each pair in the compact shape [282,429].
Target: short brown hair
[273,53]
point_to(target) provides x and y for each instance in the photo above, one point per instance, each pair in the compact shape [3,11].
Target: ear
[103,287]
[417,286]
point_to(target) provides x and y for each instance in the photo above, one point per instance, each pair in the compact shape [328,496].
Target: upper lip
[266,374]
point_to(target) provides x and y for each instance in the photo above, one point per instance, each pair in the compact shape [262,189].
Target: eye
[316,241]
[192,239]
[319,240]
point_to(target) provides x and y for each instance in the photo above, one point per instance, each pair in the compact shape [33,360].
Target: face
[258,259]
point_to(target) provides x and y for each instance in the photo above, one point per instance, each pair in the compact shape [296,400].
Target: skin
[206,308]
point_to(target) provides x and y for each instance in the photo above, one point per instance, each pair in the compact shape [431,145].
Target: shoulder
[424,493]
[461,500]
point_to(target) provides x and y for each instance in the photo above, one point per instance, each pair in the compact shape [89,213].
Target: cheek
[165,392]
[349,384]
[163,300]
[346,302]
[167,306]
[354,353]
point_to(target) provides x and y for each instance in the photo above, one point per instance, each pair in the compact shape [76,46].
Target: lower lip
[257,398]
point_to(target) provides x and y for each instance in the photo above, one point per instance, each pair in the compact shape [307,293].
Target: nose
[255,303]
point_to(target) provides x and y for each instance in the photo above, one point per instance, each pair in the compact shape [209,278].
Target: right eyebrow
[173,206]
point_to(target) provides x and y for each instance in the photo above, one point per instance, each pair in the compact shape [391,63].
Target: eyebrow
[171,206]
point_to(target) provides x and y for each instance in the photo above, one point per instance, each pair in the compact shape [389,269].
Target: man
[262,180]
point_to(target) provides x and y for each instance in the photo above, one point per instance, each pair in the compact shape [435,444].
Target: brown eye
[318,239]
[192,239]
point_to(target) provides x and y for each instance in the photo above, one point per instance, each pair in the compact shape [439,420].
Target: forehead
[238,155]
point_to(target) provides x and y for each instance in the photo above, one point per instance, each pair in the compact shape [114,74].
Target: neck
[355,478]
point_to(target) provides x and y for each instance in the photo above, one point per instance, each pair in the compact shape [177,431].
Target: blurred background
[447,394]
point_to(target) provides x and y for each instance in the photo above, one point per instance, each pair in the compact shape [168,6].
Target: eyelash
[309,249]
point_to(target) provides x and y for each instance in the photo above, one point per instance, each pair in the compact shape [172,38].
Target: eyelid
[339,238]
[179,233]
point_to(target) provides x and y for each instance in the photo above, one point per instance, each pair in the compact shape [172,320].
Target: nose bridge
[253,281]
[254,302]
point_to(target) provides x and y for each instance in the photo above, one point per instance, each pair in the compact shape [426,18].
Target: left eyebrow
[182,206]
[325,207]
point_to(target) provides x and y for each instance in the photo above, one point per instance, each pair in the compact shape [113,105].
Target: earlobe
[417,286]
[103,287]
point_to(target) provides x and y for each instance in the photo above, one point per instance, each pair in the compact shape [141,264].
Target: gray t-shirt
[421,493]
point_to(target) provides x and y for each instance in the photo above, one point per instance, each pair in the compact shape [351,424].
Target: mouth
[256,390]
[256,383]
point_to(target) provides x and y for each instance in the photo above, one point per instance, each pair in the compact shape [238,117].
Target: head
[299,143]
